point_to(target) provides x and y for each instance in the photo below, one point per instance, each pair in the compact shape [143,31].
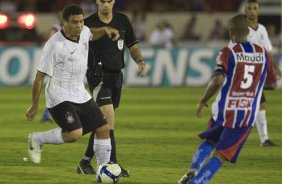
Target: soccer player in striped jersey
[64,63]
[243,70]
[258,35]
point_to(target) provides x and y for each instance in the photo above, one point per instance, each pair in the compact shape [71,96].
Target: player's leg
[85,167]
[228,148]
[209,170]
[203,152]
[92,119]
[200,156]
[116,96]
[107,99]
[108,112]
[69,130]
[261,124]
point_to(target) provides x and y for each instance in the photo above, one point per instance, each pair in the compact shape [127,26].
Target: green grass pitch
[156,135]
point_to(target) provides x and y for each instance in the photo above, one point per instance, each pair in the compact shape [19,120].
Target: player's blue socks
[201,155]
[207,172]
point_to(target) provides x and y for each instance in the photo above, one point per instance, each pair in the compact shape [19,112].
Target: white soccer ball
[109,172]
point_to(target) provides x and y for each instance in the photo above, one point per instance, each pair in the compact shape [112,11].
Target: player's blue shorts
[227,141]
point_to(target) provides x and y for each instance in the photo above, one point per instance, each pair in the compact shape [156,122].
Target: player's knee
[103,132]
[72,136]
[220,156]
[210,142]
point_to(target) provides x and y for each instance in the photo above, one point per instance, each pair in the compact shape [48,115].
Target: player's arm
[275,66]
[36,91]
[102,31]
[216,81]
[214,84]
[136,54]
[271,77]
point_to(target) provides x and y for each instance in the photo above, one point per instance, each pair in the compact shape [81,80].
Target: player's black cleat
[124,172]
[85,167]
[269,143]
[186,178]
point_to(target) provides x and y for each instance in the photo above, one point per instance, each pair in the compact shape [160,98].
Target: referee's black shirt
[110,53]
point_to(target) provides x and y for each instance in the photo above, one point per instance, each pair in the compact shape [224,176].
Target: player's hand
[112,33]
[31,113]
[142,69]
[200,106]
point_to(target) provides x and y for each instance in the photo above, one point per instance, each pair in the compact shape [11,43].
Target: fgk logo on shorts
[69,117]
[120,44]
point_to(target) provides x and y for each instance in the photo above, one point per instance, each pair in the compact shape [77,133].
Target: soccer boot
[269,143]
[84,167]
[187,177]
[34,150]
[124,172]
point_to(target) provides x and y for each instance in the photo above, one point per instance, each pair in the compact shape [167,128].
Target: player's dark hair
[239,25]
[71,10]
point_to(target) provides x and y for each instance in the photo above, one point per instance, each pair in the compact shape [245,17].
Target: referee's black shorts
[71,116]
[106,89]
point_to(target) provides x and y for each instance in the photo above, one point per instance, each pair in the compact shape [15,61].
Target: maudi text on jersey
[246,57]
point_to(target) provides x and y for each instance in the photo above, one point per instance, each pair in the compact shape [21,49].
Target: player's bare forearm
[36,87]
[36,90]
[275,66]
[214,84]
[98,33]
[104,31]
[135,53]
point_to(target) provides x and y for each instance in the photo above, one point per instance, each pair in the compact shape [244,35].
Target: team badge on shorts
[120,44]
[69,117]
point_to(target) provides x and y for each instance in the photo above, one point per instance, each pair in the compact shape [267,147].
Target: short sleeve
[47,59]
[130,38]
[222,62]
[265,41]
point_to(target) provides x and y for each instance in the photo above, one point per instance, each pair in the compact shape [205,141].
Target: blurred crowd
[124,5]
[163,34]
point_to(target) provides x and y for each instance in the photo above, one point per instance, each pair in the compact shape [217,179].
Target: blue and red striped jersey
[246,68]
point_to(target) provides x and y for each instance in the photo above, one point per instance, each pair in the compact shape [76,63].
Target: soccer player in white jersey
[64,63]
[243,69]
[258,35]
[57,27]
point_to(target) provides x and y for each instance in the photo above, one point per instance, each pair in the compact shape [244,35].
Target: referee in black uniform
[104,75]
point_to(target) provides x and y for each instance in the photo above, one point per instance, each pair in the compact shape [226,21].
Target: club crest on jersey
[120,44]
[69,117]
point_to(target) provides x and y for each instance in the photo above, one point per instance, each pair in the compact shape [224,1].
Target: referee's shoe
[84,167]
[124,172]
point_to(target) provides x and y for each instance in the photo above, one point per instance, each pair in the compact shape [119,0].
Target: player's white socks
[102,149]
[261,124]
[49,137]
